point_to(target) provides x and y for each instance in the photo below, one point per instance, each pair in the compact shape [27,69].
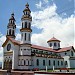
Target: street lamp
[46,62]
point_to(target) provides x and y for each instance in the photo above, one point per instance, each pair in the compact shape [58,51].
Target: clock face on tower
[8,47]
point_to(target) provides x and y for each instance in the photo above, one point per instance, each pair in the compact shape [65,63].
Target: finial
[12,17]
[27,5]
[12,14]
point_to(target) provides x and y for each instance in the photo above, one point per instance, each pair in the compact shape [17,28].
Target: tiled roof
[42,48]
[50,49]
[53,39]
[14,41]
[65,49]
[39,47]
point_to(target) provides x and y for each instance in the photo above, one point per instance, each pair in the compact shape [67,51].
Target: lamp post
[46,62]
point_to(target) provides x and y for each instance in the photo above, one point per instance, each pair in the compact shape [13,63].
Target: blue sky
[17,6]
[49,17]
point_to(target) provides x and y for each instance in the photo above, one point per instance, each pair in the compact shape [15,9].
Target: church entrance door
[8,64]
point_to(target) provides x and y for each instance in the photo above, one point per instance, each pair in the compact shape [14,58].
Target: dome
[53,39]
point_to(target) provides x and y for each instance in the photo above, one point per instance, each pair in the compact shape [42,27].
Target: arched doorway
[8,64]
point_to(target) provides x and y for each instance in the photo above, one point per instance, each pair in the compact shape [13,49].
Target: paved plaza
[4,72]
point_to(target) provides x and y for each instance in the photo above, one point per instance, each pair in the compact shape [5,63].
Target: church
[23,55]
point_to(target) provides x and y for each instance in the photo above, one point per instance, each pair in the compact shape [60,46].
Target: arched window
[11,21]
[37,62]
[29,25]
[28,62]
[65,53]
[22,24]
[50,44]
[10,32]
[61,62]
[13,27]
[55,44]
[26,13]
[24,62]
[8,47]
[43,62]
[58,63]
[22,36]
[54,62]
[13,32]
[71,53]
[49,62]
[25,24]
[25,36]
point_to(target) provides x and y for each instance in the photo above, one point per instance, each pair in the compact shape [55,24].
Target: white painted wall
[72,63]
[54,47]
[27,37]
[21,65]
[27,33]
[15,57]
[47,62]
[66,58]
[5,50]
[68,53]
[25,50]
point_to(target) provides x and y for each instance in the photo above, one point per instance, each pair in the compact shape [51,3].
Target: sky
[49,18]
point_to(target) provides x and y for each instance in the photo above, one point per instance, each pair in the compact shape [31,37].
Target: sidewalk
[4,72]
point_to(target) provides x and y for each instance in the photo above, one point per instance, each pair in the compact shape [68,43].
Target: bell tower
[26,25]
[25,47]
[11,27]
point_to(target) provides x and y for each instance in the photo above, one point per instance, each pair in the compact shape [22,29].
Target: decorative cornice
[8,53]
[26,44]
[24,55]
[26,29]
[26,17]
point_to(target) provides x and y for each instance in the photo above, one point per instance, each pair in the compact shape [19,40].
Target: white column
[3,61]
[13,60]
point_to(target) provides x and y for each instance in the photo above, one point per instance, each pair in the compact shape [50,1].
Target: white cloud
[2,39]
[1,53]
[39,5]
[18,36]
[51,23]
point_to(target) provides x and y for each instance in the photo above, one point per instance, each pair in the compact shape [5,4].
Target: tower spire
[27,5]
[26,25]
[11,27]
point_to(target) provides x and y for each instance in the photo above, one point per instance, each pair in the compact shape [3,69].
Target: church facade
[22,55]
